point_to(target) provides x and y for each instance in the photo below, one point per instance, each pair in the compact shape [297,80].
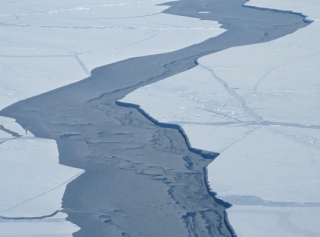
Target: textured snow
[259,106]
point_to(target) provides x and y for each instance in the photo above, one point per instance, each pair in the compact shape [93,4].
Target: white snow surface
[32,184]
[32,177]
[259,107]
[49,44]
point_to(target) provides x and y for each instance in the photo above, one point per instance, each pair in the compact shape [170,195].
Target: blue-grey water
[142,178]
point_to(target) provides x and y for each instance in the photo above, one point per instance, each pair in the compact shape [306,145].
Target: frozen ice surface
[31,177]
[270,165]
[11,125]
[95,33]
[259,106]
[252,221]
[189,97]
[57,225]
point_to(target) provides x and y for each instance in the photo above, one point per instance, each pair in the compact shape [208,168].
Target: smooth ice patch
[57,225]
[32,180]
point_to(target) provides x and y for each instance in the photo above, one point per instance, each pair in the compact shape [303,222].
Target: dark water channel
[142,179]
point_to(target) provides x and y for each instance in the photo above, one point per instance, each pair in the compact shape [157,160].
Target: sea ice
[257,105]
[47,45]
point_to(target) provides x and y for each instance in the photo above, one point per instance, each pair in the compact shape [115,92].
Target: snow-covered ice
[93,34]
[281,221]
[56,226]
[32,177]
[32,184]
[259,106]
